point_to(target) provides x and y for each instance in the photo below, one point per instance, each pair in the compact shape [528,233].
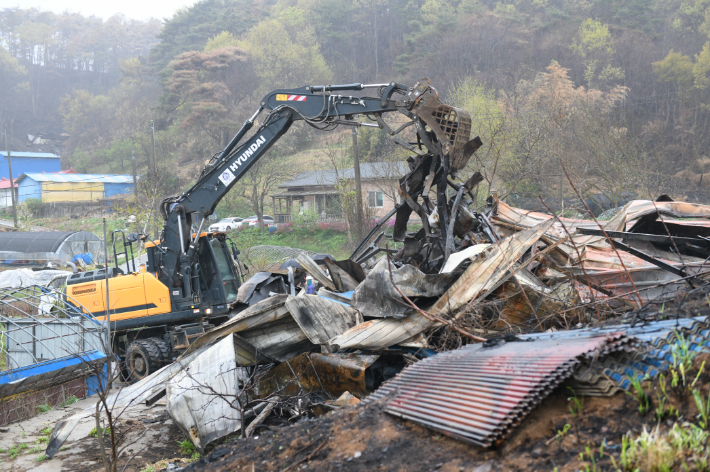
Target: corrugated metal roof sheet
[56,177]
[476,393]
[659,339]
[5,183]
[38,155]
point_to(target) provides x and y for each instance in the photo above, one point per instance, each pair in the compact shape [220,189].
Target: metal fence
[262,258]
[37,325]
[322,217]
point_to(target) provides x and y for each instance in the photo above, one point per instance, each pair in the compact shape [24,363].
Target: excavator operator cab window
[224,265]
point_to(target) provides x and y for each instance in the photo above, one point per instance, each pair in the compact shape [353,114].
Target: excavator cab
[152,323]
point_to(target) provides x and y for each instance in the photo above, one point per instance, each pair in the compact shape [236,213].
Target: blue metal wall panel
[28,188]
[23,165]
[115,189]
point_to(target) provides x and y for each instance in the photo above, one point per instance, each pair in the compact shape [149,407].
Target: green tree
[595,46]
[286,52]
[222,40]
[190,28]
[675,69]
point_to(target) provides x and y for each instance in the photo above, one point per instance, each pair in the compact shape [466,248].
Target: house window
[375,200]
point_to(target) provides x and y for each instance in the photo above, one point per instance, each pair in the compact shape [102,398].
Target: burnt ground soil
[387,443]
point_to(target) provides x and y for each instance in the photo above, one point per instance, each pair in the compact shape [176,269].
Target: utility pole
[154,176]
[135,183]
[12,184]
[152,128]
[358,186]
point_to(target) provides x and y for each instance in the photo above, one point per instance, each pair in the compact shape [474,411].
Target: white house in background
[5,195]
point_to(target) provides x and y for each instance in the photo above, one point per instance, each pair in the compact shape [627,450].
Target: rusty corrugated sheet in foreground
[477,393]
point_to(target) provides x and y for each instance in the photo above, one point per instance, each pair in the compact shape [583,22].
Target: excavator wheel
[145,356]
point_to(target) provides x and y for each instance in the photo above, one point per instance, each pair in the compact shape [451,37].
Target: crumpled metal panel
[381,333]
[333,373]
[201,399]
[477,393]
[320,318]
[378,298]
[124,398]
[485,275]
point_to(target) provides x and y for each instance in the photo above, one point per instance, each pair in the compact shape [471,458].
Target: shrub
[306,220]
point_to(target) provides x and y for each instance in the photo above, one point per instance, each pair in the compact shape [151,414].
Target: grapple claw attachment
[451,125]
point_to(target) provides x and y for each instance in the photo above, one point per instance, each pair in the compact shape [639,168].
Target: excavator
[191,279]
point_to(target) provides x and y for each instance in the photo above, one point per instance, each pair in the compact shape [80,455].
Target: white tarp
[19,278]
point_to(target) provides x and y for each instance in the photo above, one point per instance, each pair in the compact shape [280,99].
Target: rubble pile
[319,334]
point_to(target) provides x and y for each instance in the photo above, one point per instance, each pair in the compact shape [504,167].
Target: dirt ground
[152,436]
[357,438]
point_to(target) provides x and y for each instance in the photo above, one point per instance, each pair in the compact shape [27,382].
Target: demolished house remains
[463,328]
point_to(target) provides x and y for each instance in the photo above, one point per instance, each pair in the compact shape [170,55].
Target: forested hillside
[617,91]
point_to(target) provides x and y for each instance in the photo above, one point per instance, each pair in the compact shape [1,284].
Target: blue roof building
[72,187]
[24,162]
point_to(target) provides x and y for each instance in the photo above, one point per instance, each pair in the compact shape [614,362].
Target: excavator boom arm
[323,107]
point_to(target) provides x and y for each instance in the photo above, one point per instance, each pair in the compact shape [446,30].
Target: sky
[135,9]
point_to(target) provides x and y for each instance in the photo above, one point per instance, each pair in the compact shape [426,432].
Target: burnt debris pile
[461,317]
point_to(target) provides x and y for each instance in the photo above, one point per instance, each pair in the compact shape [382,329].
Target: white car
[254,221]
[226,224]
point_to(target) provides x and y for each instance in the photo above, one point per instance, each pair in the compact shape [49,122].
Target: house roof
[104,178]
[369,171]
[5,183]
[38,155]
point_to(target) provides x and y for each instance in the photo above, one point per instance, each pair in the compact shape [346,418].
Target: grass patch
[94,434]
[69,401]
[317,240]
[186,447]
[44,408]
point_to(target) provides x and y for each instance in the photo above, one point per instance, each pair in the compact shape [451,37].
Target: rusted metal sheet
[639,208]
[478,392]
[333,373]
[321,319]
